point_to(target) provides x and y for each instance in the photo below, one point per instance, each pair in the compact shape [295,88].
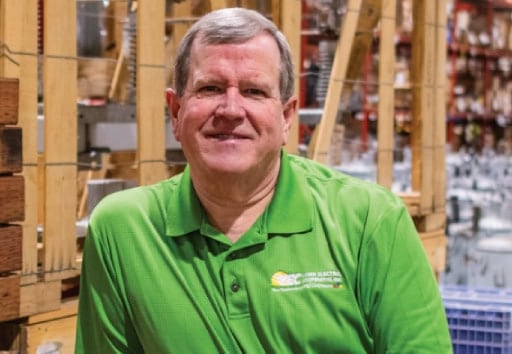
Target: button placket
[234,284]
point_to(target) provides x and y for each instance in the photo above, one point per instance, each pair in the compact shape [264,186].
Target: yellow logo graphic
[282,281]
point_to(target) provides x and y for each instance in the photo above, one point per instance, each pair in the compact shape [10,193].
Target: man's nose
[231,105]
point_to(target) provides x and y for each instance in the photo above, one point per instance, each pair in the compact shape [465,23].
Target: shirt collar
[290,211]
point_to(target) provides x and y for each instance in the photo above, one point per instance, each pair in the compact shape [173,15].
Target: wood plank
[434,243]
[422,78]
[12,197]
[21,33]
[10,248]
[319,146]
[57,334]
[221,4]
[56,327]
[93,173]
[117,13]
[275,10]
[67,308]
[60,148]
[430,222]
[290,25]
[412,202]
[440,92]
[11,150]
[150,92]
[40,297]
[10,34]
[9,96]
[256,5]
[369,16]
[9,297]
[386,108]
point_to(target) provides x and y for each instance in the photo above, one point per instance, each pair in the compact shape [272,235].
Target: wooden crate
[11,155]
[9,93]
[12,198]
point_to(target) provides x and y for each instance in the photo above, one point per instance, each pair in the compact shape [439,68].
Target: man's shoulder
[339,184]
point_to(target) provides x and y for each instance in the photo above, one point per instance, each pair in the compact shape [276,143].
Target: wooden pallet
[51,329]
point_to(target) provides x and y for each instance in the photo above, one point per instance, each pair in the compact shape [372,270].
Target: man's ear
[289,110]
[173,105]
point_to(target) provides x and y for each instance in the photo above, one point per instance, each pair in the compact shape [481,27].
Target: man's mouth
[227,137]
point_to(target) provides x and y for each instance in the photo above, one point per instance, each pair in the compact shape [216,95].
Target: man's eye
[255,92]
[209,89]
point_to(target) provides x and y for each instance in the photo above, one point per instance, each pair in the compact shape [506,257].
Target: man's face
[231,118]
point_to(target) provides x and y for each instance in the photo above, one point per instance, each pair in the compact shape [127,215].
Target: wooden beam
[422,78]
[434,243]
[430,222]
[40,297]
[319,146]
[54,327]
[180,10]
[275,10]
[221,4]
[117,14]
[290,24]
[386,119]
[440,91]
[18,29]
[60,136]
[150,92]
[10,35]
[369,17]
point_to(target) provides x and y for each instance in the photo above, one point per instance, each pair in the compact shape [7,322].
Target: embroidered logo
[282,281]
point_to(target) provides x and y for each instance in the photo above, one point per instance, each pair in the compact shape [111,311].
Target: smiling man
[252,250]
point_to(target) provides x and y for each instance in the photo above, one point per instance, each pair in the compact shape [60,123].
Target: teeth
[225,136]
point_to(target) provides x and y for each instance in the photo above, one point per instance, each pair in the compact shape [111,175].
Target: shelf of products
[479,68]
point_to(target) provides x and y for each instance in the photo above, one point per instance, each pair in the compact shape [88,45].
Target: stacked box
[480,320]
[12,196]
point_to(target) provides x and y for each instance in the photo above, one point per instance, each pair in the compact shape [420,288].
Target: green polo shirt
[333,265]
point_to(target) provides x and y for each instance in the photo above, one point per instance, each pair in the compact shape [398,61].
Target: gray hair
[233,25]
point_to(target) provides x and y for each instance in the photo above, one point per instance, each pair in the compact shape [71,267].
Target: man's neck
[233,206]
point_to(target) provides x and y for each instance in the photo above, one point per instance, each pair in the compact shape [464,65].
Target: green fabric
[333,265]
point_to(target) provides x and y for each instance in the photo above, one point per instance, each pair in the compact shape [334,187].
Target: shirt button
[235,287]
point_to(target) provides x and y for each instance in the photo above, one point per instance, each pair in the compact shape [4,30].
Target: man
[251,250]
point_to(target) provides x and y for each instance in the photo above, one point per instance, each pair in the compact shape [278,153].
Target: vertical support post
[422,75]
[386,119]
[221,4]
[60,138]
[151,92]
[290,18]
[440,109]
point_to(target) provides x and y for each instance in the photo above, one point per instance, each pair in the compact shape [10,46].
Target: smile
[227,137]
